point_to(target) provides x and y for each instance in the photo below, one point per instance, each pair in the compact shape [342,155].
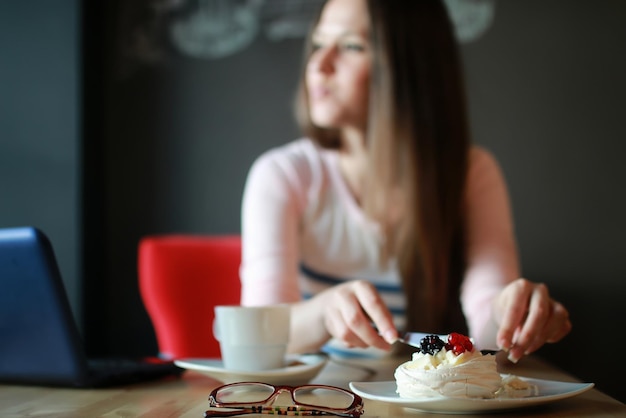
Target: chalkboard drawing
[284,19]
[218,28]
[471,18]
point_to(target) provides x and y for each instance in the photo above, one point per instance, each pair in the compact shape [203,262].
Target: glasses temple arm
[273,411]
[232,413]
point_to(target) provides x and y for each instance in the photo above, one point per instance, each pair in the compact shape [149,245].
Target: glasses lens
[323,397]
[244,393]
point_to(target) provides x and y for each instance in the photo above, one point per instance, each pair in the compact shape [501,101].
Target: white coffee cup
[252,338]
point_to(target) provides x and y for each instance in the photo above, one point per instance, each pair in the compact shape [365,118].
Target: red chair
[181,279]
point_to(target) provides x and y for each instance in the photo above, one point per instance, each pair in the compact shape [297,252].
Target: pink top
[303,231]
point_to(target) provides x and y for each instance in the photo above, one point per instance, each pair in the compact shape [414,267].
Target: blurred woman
[385,216]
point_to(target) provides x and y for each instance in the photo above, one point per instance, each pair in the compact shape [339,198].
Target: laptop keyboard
[116,371]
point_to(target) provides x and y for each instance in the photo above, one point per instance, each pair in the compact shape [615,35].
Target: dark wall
[40,124]
[547,89]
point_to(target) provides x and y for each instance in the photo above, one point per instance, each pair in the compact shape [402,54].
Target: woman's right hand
[528,317]
[355,313]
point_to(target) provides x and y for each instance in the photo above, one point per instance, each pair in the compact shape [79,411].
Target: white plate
[548,391]
[337,348]
[301,370]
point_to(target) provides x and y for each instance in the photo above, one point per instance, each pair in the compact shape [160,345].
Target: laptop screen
[39,339]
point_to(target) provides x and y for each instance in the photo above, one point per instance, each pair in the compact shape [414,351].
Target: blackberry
[431,344]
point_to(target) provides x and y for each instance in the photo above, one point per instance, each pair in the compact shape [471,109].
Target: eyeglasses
[307,400]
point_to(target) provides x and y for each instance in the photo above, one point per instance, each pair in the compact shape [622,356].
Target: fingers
[530,329]
[375,308]
[361,311]
[533,331]
[561,325]
[530,319]
[513,303]
[556,327]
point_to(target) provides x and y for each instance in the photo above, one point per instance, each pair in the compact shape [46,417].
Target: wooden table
[187,396]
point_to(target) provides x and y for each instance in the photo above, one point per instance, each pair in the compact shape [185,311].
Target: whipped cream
[514,387]
[469,375]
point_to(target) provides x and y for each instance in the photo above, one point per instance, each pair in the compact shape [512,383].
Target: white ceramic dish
[338,349]
[548,391]
[300,370]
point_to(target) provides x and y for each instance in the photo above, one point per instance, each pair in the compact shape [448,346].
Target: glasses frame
[265,406]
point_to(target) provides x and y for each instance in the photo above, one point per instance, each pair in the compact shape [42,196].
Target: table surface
[187,396]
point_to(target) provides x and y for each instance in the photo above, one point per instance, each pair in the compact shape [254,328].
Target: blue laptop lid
[39,340]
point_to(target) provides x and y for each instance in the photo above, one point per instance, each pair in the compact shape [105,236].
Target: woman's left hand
[528,318]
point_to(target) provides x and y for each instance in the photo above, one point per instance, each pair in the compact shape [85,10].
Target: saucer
[337,348]
[300,370]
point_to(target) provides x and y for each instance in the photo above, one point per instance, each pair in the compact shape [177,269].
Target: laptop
[39,340]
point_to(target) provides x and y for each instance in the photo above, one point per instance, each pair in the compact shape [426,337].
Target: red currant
[459,343]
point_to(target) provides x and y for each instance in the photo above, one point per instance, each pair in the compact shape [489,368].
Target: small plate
[548,391]
[300,370]
[337,348]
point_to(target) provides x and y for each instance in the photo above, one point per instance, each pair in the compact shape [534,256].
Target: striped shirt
[303,232]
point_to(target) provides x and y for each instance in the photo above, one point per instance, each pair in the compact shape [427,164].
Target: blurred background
[123,119]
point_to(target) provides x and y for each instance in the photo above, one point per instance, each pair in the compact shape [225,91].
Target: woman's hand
[528,318]
[355,313]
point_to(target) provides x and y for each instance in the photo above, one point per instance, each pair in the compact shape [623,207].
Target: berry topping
[431,344]
[459,343]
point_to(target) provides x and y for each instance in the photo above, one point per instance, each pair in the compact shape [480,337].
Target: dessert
[454,369]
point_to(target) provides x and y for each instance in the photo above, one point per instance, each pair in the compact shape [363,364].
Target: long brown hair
[418,140]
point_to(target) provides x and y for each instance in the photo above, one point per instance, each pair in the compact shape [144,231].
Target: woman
[385,206]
